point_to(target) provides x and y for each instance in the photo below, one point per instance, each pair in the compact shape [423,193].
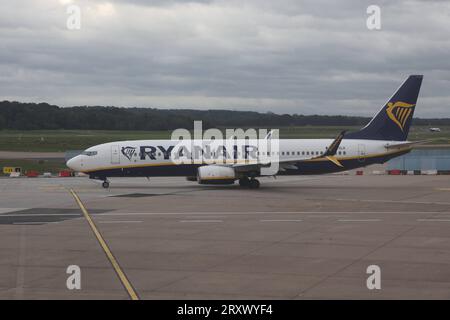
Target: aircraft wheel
[105,184]
[254,184]
[244,182]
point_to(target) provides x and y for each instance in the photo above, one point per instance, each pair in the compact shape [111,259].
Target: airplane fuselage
[147,158]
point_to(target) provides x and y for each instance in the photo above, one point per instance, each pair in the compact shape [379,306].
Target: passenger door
[115,154]
[361,152]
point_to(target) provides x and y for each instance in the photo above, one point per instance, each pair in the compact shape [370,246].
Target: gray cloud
[285,56]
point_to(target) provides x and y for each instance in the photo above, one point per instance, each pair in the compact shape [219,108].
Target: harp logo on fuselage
[128,152]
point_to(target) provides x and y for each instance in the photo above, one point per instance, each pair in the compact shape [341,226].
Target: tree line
[43,116]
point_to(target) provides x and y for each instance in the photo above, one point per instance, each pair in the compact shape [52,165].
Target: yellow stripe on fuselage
[159,164]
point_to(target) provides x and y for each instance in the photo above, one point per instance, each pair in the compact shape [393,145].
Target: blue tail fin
[393,120]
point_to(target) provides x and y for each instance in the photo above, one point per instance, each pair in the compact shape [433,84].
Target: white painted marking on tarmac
[216,214]
[299,179]
[121,221]
[386,201]
[40,215]
[200,221]
[281,220]
[433,220]
[359,220]
[326,216]
[36,222]
[205,216]
[6,210]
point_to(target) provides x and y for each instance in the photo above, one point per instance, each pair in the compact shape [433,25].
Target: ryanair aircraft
[383,138]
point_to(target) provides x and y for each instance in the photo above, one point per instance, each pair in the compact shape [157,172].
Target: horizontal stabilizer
[406,144]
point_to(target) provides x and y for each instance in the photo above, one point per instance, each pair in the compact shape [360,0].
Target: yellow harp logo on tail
[399,112]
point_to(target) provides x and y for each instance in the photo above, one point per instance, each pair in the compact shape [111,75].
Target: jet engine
[216,175]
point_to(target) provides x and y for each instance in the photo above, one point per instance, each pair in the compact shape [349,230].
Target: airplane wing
[292,163]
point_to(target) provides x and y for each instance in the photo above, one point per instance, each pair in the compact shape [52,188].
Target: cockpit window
[89,153]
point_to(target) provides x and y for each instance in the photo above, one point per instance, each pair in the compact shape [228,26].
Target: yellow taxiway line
[122,277]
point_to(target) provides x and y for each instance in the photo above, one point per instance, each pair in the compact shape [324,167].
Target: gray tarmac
[308,237]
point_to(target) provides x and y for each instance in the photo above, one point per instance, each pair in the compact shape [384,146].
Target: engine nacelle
[216,175]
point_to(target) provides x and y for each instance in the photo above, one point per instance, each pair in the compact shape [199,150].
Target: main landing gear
[105,184]
[249,183]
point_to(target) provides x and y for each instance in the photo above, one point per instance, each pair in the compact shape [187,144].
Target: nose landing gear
[105,183]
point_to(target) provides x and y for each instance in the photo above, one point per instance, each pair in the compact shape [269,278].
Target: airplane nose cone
[69,163]
[73,164]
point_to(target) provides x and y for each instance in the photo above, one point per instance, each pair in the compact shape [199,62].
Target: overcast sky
[284,56]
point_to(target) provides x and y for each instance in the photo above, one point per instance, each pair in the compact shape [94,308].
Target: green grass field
[62,140]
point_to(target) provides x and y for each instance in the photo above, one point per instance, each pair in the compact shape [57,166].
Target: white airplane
[382,139]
